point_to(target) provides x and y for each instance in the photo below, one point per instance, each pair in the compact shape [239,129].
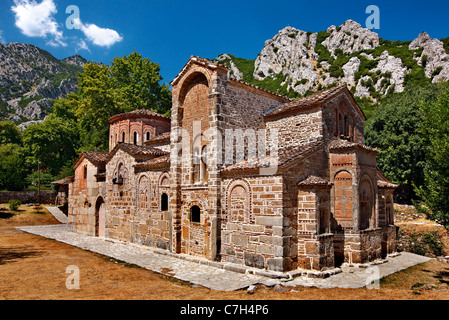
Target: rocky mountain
[31,78]
[297,63]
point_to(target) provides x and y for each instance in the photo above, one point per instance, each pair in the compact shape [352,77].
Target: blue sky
[170,31]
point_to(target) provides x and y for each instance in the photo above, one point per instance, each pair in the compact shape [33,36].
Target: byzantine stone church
[325,203]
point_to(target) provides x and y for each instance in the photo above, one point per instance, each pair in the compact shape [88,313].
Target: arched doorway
[100,218]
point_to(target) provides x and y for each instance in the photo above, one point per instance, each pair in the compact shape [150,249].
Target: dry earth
[34,268]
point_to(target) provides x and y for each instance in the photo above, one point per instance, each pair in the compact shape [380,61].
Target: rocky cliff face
[433,58]
[31,78]
[350,54]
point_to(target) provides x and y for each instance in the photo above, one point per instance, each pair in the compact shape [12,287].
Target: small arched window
[123,136]
[346,127]
[203,166]
[85,172]
[147,136]
[196,165]
[195,214]
[164,202]
[135,138]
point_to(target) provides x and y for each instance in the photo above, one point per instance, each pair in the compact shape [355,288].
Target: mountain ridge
[32,78]
[297,63]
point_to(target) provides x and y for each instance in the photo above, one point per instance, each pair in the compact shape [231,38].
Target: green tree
[9,133]
[11,167]
[94,105]
[395,130]
[130,83]
[137,81]
[52,142]
[435,130]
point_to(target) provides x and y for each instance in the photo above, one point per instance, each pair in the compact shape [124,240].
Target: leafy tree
[94,105]
[52,142]
[395,130]
[137,81]
[435,131]
[11,167]
[130,83]
[9,133]
[32,180]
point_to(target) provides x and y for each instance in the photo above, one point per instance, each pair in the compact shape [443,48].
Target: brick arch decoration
[143,192]
[198,203]
[238,202]
[121,170]
[367,201]
[343,198]
[189,78]
[163,187]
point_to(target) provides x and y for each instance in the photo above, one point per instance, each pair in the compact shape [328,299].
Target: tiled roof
[285,158]
[163,137]
[96,158]
[313,99]
[138,113]
[141,152]
[314,181]
[64,181]
[340,144]
[101,176]
[198,60]
[215,65]
[383,181]
[154,163]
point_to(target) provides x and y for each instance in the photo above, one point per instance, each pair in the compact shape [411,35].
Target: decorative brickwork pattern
[167,184]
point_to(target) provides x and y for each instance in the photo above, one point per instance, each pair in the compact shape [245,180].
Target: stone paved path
[58,214]
[215,275]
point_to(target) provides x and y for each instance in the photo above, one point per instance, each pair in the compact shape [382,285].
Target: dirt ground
[34,268]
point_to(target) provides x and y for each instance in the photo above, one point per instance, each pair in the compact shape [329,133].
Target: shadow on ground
[12,254]
[4,215]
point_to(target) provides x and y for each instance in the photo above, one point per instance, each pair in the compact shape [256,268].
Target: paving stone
[218,276]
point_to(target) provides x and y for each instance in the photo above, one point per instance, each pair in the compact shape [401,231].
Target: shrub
[423,243]
[14,205]
[437,71]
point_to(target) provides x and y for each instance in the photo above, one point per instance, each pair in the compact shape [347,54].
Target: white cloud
[102,37]
[36,20]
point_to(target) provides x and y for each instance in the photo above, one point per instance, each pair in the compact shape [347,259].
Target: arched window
[346,124]
[85,173]
[123,137]
[196,165]
[336,124]
[195,214]
[136,136]
[204,176]
[164,202]
[147,136]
